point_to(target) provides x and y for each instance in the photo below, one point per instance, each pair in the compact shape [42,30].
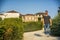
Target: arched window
[39,18]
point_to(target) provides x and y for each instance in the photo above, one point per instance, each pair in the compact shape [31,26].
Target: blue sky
[30,6]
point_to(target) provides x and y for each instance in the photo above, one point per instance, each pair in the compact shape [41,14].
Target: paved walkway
[38,35]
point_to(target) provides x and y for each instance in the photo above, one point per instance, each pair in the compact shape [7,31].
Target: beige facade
[2,16]
[25,18]
[10,14]
[29,18]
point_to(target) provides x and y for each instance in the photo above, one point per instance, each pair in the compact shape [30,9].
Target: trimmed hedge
[32,26]
[0,19]
[12,29]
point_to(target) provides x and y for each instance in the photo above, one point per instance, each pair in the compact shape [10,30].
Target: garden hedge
[32,26]
[11,29]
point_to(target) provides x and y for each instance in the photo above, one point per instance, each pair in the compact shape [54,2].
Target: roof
[1,14]
[29,14]
[12,11]
[40,13]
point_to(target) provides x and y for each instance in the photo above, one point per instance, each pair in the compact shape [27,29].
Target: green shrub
[32,26]
[55,30]
[0,19]
[13,29]
[2,30]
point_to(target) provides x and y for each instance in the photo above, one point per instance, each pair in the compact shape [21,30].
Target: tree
[55,30]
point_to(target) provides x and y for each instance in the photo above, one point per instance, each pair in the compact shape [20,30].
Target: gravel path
[38,35]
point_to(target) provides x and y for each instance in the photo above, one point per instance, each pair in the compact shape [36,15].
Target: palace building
[25,18]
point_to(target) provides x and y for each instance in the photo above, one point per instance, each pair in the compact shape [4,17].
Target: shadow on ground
[38,35]
[58,38]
